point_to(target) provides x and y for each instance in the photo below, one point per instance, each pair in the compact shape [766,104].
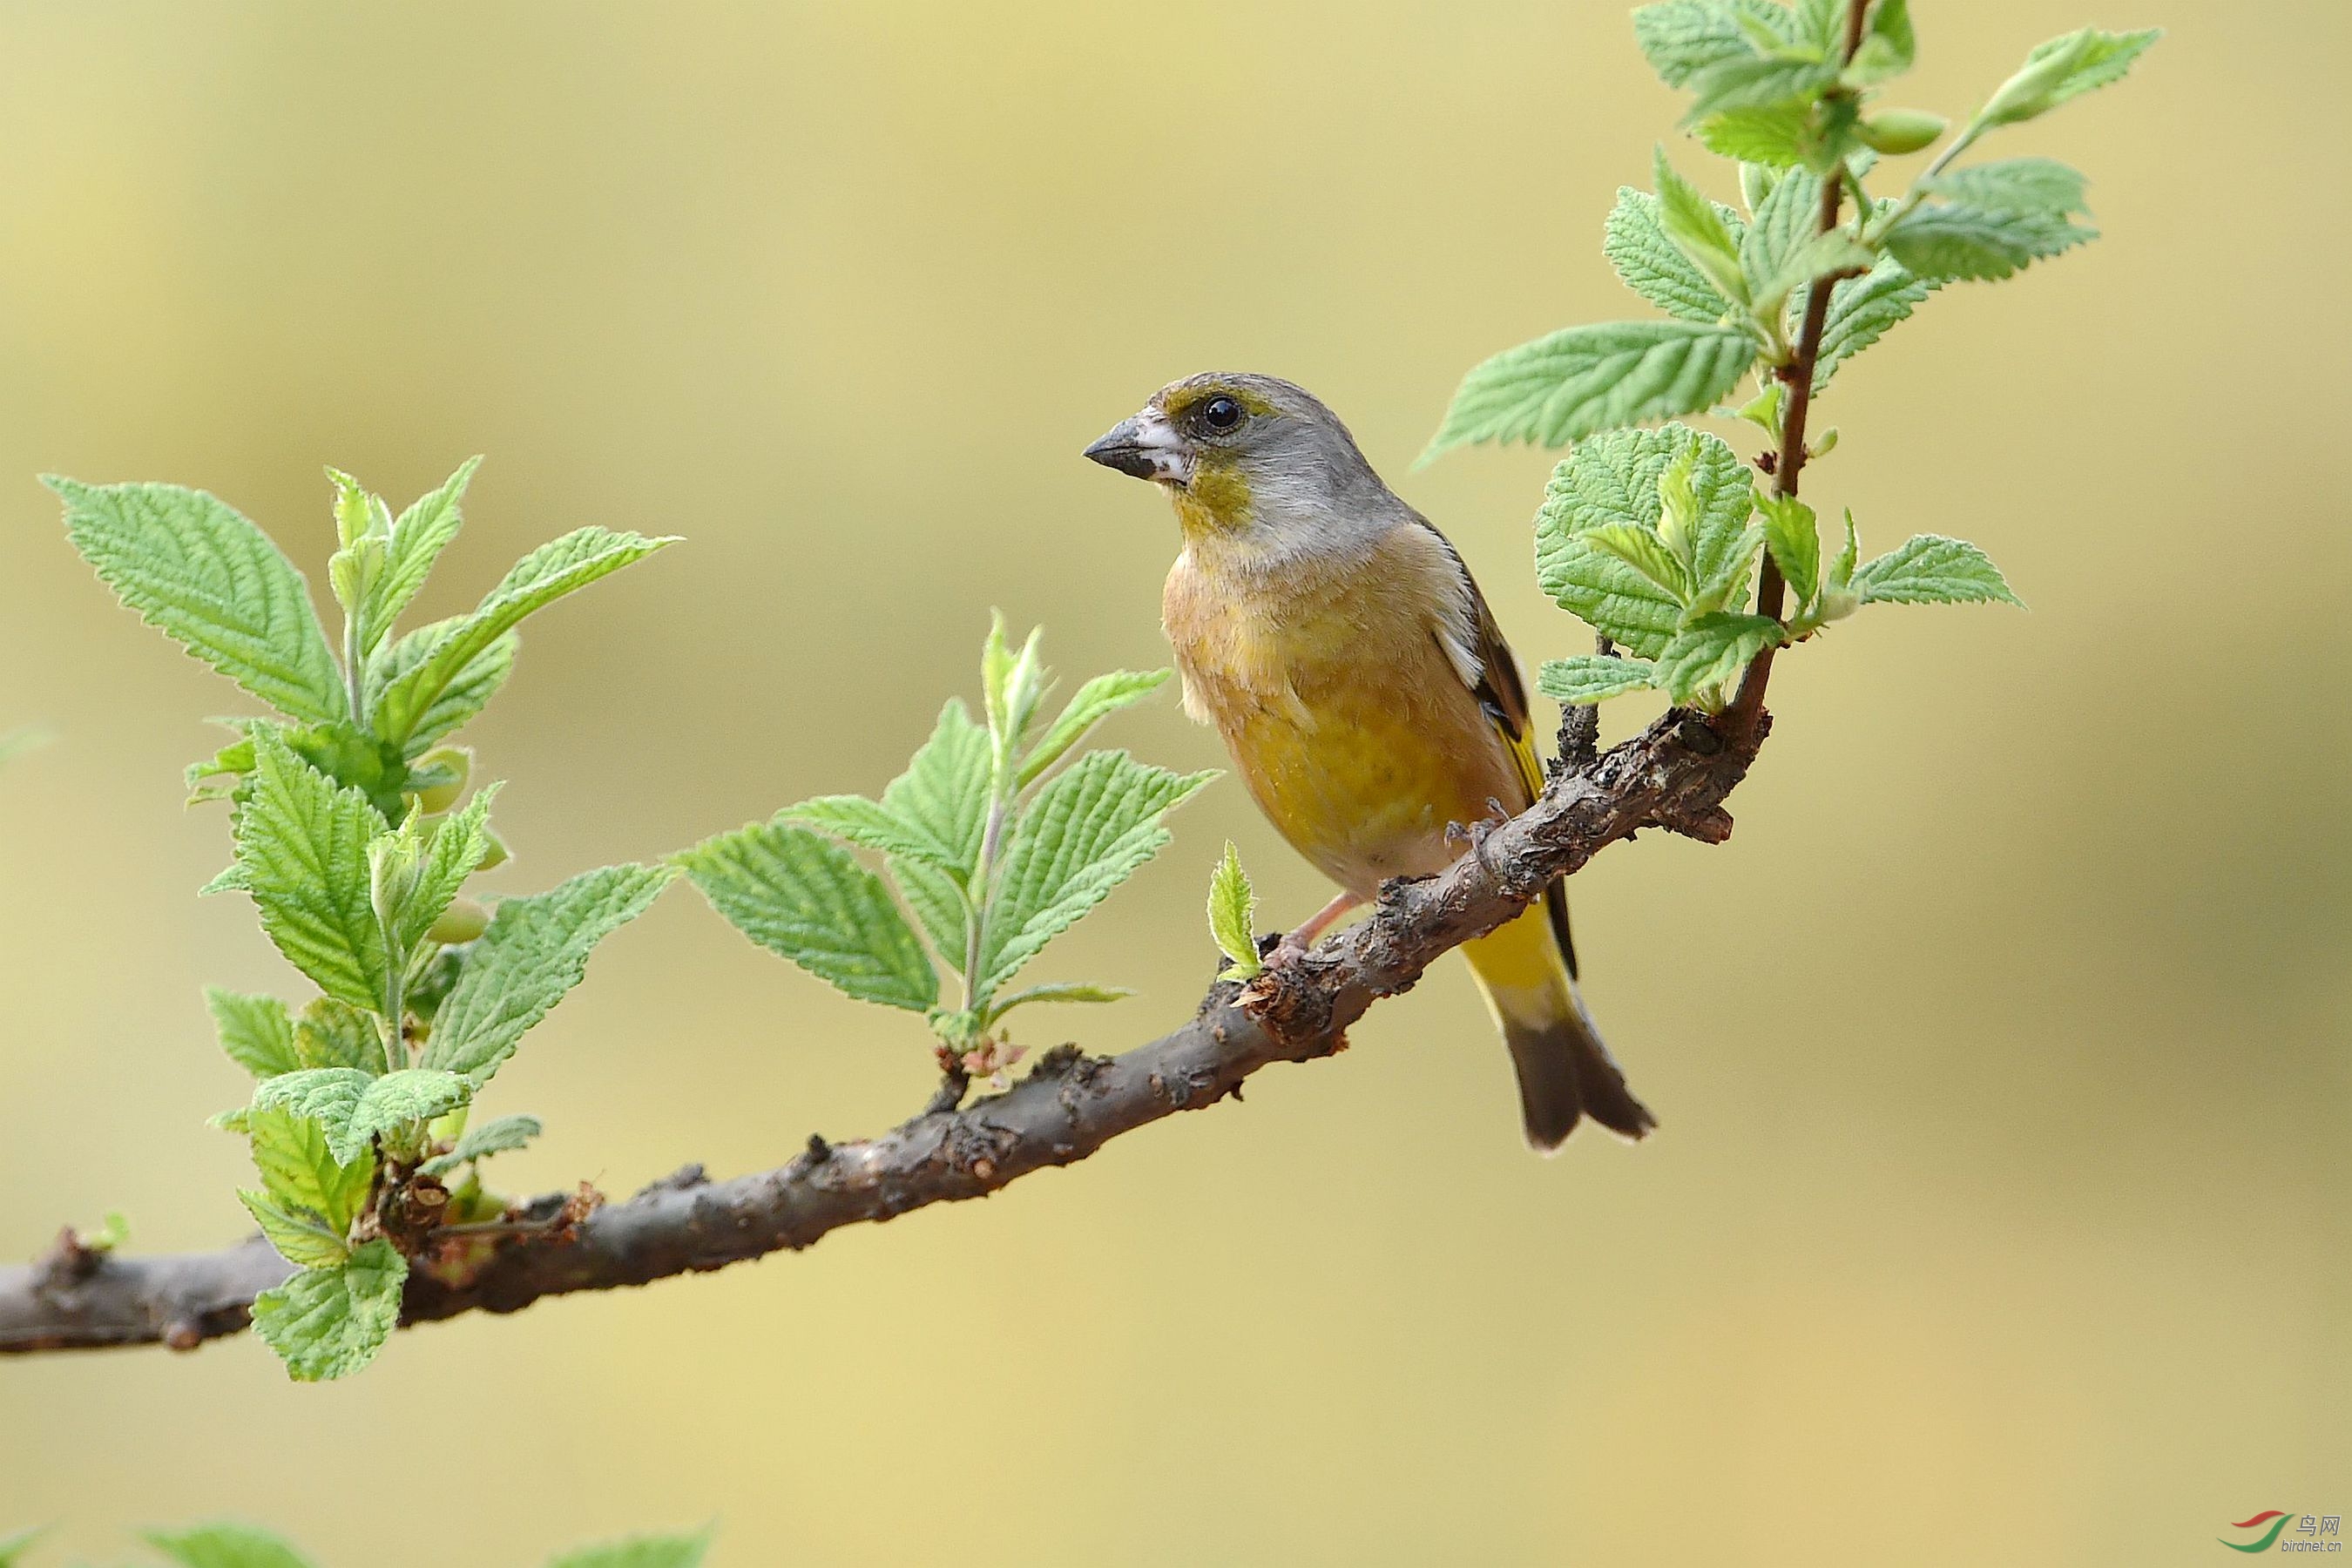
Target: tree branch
[1674,775]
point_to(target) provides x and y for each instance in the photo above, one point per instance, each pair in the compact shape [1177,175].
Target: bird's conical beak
[1144,447]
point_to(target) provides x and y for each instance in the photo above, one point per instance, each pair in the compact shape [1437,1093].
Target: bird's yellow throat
[1215,504]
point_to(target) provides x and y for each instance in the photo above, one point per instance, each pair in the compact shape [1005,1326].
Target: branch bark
[1674,775]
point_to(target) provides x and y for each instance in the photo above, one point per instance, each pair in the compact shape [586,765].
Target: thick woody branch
[1674,775]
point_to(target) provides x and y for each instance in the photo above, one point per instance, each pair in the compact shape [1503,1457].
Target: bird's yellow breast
[1339,686]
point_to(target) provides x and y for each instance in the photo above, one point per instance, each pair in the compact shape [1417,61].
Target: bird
[1340,646]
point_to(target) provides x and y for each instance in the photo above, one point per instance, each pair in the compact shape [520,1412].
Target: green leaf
[1712,650]
[1581,379]
[1060,991]
[329,1323]
[353,1110]
[2065,67]
[13,1547]
[1888,47]
[1784,221]
[1233,915]
[499,1136]
[801,896]
[418,537]
[1861,312]
[460,842]
[225,1546]
[254,1030]
[1587,677]
[869,824]
[1085,832]
[1614,478]
[1757,83]
[301,1171]
[535,951]
[944,791]
[548,573]
[1096,700]
[208,579]
[299,1239]
[1646,552]
[1943,242]
[939,905]
[466,695]
[1698,230]
[1780,137]
[639,1552]
[1795,541]
[1681,38]
[332,1034]
[302,853]
[1928,569]
[1637,246]
[2024,185]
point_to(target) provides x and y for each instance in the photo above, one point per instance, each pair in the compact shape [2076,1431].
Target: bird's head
[1247,460]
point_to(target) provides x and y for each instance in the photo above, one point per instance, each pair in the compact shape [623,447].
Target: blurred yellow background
[1999,1212]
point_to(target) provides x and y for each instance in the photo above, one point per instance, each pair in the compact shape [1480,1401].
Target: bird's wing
[1504,697]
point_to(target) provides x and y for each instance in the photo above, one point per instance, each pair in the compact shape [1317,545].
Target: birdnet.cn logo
[2311,1532]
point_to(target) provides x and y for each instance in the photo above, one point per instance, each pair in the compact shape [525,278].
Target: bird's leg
[1295,942]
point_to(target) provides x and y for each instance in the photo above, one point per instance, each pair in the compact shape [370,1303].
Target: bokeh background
[1999,1212]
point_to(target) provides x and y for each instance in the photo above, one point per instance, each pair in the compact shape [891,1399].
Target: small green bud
[2027,93]
[1899,130]
[394,865]
[463,920]
[1827,444]
[496,855]
[352,571]
[1836,605]
[438,778]
[357,515]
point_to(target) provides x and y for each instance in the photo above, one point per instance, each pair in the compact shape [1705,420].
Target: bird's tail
[1565,1072]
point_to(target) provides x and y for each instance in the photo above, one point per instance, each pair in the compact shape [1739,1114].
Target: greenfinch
[1335,641]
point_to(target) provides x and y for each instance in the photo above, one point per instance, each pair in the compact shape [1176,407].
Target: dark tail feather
[1566,1073]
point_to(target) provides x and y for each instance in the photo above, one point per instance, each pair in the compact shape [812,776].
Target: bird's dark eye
[1221,414]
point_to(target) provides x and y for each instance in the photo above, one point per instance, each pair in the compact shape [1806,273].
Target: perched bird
[1338,644]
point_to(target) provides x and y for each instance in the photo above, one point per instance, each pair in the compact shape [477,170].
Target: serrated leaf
[1613,477]
[301,1171]
[944,791]
[548,573]
[1232,915]
[1646,552]
[639,1552]
[1087,831]
[225,1546]
[1682,38]
[499,1136]
[1779,137]
[869,824]
[2014,185]
[1696,229]
[302,853]
[195,570]
[939,905]
[332,1034]
[418,537]
[1712,650]
[1784,221]
[329,1323]
[460,842]
[1928,569]
[466,695]
[535,951]
[1581,379]
[1586,678]
[1946,242]
[1795,541]
[1636,245]
[254,1031]
[2063,68]
[300,1239]
[353,1110]
[1758,81]
[1861,312]
[801,896]
[1097,699]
